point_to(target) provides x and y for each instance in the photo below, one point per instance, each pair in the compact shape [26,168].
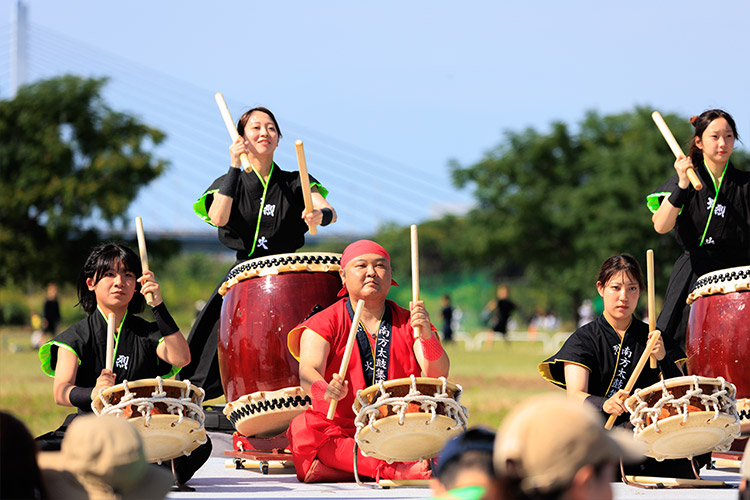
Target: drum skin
[718,339]
[256,316]
[718,343]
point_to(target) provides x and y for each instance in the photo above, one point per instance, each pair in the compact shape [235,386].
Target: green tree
[66,159]
[558,204]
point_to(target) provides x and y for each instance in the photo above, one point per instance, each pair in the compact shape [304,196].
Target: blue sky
[385,93]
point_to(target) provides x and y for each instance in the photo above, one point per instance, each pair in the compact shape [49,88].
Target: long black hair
[109,256]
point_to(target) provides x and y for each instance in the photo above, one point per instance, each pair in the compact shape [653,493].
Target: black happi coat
[610,360]
[135,356]
[280,229]
[726,242]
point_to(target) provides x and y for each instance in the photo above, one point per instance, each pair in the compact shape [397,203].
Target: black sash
[375,370]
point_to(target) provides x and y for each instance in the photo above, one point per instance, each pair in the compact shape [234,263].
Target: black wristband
[678,197]
[229,183]
[596,401]
[164,320]
[327,216]
[81,397]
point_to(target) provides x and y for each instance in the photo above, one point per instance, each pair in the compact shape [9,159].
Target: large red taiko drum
[264,299]
[718,333]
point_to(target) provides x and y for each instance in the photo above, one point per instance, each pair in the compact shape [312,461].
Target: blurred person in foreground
[101,458]
[20,477]
[464,469]
[551,447]
[386,349]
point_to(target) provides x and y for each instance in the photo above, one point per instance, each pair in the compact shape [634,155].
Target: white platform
[218,480]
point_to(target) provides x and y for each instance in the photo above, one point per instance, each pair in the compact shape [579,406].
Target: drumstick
[676,149]
[636,372]
[414,271]
[142,249]
[651,297]
[305,180]
[110,341]
[231,128]
[347,352]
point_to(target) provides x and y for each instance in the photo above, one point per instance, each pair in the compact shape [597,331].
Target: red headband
[358,248]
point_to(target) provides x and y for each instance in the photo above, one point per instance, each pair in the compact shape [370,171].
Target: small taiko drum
[167,413]
[684,416]
[408,419]
[718,332]
[264,299]
[266,414]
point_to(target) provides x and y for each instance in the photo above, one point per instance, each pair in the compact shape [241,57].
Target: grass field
[494,379]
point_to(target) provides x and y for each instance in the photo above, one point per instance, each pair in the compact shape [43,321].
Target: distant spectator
[447,313]
[586,312]
[552,447]
[37,335]
[500,309]
[51,311]
[102,458]
[464,469]
[19,473]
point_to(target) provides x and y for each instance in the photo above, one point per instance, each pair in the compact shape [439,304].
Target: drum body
[718,332]
[266,414]
[408,419]
[684,416]
[167,413]
[263,300]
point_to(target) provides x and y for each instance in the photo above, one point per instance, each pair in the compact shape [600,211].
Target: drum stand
[262,450]
[178,486]
[390,483]
[652,482]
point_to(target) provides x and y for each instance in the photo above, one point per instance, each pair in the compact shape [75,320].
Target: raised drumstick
[230,127]
[636,372]
[347,352]
[305,180]
[142,249]
[675,147]
[651,298]
[414,270]
[110,341]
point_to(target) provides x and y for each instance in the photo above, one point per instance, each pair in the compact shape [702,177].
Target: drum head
[164,439]
[699,434]
[417,438]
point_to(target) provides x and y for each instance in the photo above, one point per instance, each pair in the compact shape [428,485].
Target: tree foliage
[554,206]
[66,159]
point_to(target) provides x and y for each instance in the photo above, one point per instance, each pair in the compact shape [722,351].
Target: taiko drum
[263,300]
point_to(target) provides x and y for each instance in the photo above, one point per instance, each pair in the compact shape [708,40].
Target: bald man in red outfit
[323,450]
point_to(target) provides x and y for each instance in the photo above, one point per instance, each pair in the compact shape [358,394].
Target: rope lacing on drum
[369,413]
[145,405]
[720,400]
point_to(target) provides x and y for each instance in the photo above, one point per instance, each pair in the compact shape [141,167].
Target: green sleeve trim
[175,369]
[545,370]
[45,356]
[200,209]
[653,201]
[323,191]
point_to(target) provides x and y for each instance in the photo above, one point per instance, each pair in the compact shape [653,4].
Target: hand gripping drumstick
[347,352]
[231,127]
[676,149]
[142,249]
[636,372]
[110,341]
[414,271]
[651,298]
[305,180]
